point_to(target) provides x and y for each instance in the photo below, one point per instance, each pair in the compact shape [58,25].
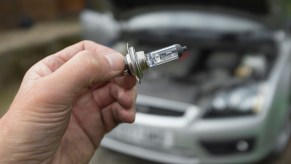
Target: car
[227,100]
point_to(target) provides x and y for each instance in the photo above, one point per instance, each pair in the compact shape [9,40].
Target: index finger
[53,62]
[72,50]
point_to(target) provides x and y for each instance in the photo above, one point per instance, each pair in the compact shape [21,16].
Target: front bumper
[183,137]
[145,153]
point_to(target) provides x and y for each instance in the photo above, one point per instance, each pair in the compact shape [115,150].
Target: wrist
[5,151]
[15,145]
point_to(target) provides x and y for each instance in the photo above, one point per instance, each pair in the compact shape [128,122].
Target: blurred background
[33,29]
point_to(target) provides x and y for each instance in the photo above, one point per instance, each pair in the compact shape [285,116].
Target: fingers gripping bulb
[137,62]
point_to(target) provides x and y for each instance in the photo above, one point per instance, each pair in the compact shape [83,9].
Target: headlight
[242,101]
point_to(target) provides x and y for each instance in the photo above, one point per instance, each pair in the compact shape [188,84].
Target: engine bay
[216,77]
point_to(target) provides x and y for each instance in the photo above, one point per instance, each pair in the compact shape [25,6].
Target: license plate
[143,135]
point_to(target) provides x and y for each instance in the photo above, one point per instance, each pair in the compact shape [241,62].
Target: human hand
[65,105]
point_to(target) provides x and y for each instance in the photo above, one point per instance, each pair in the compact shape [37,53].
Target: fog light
[242,146]
[229,146]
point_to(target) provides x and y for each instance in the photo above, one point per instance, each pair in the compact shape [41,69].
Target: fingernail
[116,61]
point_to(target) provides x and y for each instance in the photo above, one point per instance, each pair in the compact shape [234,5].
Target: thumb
[85,69]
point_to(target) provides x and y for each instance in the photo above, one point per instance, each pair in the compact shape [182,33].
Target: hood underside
[268,12]
[258,7]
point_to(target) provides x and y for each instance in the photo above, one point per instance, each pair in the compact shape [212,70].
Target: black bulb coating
[180,49]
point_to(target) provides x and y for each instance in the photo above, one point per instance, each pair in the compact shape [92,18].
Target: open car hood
[268,12]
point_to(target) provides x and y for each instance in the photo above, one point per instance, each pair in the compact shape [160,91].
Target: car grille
[158,111]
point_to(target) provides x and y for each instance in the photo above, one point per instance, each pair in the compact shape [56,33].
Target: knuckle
[86,43]
[128,116]
[132,118]
[127,98]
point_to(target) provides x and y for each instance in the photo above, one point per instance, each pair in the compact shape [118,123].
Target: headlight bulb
[137,62]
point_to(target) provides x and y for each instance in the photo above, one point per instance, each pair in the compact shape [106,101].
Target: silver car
[226,101]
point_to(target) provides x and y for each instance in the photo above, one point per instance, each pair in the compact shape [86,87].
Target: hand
[65,105]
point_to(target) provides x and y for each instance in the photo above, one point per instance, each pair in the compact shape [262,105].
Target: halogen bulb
[137,62]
